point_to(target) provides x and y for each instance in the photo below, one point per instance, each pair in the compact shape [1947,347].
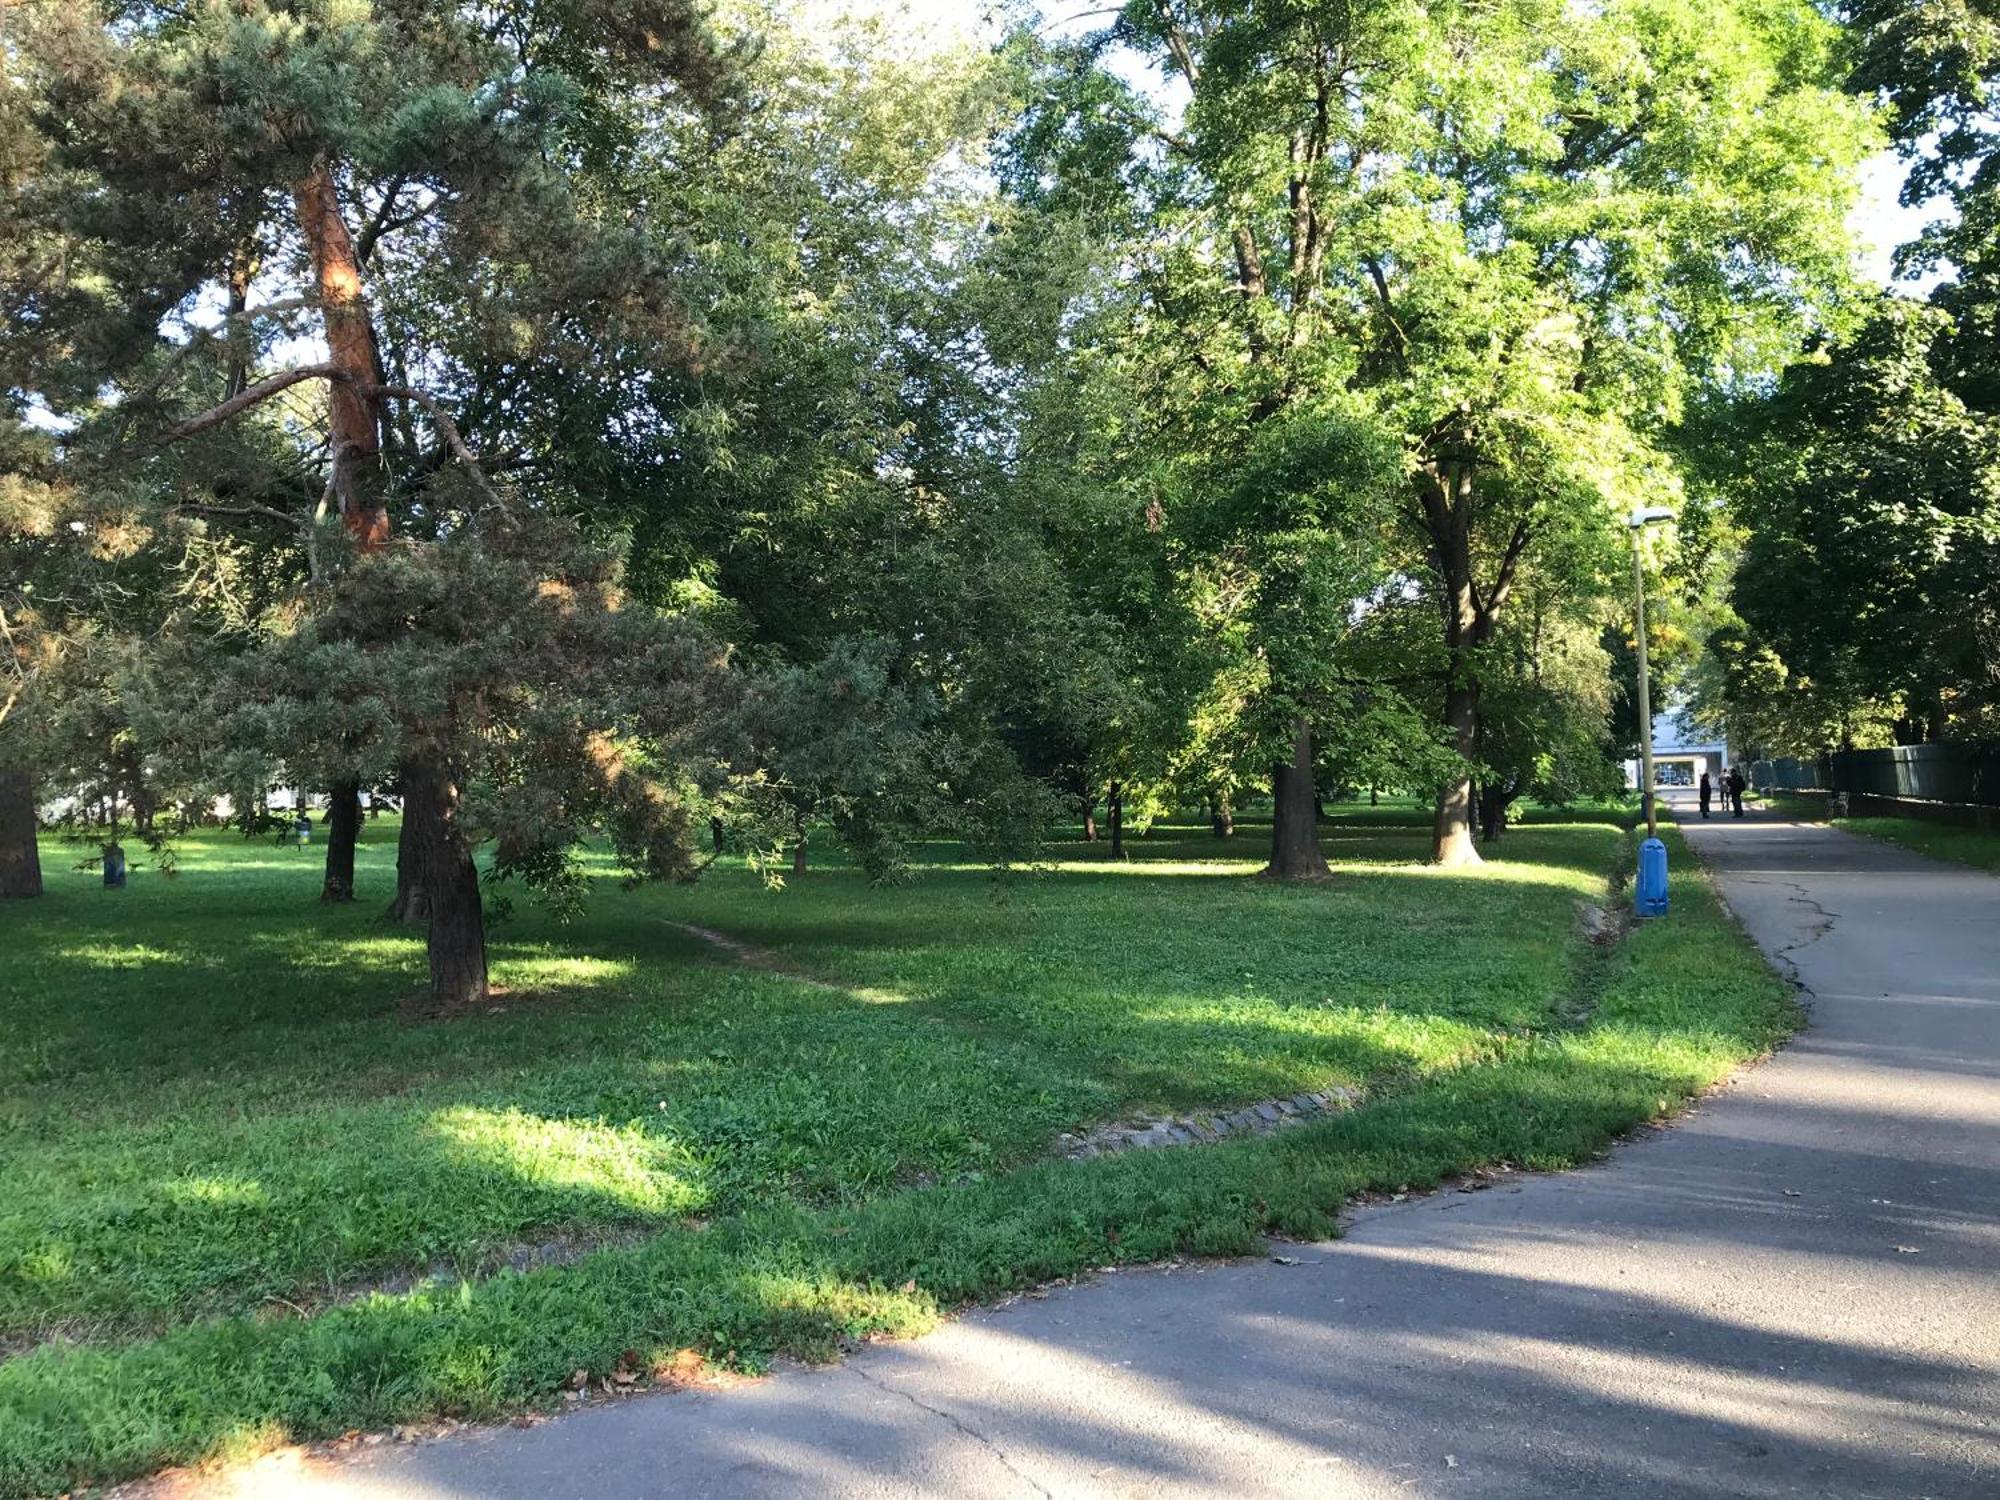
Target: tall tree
[262,175]
[1872,505]
[1518,232]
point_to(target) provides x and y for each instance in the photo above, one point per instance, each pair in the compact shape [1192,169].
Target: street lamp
[1651,893]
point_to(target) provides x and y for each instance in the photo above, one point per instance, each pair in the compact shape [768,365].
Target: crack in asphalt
[1802,897]
[964,1427]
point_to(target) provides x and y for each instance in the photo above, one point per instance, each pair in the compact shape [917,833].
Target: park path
[1796,1291]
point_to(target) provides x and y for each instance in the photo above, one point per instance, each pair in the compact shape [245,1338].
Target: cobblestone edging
[1152,1132]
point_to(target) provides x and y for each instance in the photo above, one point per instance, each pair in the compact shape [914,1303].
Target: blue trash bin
[1651,898]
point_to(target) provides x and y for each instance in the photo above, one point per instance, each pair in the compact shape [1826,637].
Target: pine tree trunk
[450,880]
[343,830]
[1114,807]
[1295,851]
[412,903]
[1451,830]
[354,415]
[798,846]
[20,859]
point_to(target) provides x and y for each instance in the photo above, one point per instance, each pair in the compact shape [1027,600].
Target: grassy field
[242,1201]
[1963,846]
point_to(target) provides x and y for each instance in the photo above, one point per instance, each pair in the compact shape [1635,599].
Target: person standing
[1707,793]
[1736,784]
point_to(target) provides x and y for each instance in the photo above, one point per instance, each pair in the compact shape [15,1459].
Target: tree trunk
[1114,807]
[20,859]
[1451,831]
[716,833]
[799,846]
[354,416]
[1493,804]
[451,881]
[1221,816]
[1090,821]
[343,830]
[412,903]
[1295,851]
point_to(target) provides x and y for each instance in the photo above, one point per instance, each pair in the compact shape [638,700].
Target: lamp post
[1651,892]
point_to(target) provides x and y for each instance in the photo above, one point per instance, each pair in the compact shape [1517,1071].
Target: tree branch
[248,397]
[266,512]
[1381,280]
[447,429]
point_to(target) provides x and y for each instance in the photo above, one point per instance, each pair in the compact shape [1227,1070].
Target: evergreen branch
[248,397]
[448,430]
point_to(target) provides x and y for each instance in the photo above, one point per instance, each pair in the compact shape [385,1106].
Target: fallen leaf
[1793,1193]
[1284,1260]
[1907,1250]
[578,1379]
[1450,1462]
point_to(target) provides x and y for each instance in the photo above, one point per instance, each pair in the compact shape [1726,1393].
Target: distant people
[1736,784]
[1707,793]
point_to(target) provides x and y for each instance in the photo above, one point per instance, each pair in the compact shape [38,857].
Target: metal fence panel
[1928,773]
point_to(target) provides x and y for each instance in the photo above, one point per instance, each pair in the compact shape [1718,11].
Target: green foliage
[1871,571]
[504,653]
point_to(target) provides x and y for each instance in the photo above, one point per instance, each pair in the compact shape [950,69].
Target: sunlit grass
[237,1121]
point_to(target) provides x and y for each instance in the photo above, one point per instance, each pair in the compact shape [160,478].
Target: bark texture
[411,903]
[1445,493]
[1114,808]
[1451,829]
[20,859]
[450,880]
[1295,851]
[343,831]
[353,410]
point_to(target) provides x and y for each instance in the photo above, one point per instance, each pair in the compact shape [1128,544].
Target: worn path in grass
[1794,1292]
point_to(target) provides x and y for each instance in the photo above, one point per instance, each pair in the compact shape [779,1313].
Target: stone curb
[1155,1131]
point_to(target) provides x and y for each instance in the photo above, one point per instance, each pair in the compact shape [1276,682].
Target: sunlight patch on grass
[230,1191]
[624,1165]
[122,955]
[561,971]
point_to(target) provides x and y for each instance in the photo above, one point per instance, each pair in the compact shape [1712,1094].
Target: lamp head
[1648,515]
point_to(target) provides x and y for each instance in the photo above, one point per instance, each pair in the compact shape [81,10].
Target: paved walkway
[1796,1292]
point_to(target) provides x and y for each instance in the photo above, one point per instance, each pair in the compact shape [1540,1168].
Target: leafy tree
[1871,572]
[1514,235]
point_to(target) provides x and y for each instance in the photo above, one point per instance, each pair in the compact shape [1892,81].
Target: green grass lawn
[1964,846]
[228,1165]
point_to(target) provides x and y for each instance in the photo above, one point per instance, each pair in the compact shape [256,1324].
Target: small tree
[524,702]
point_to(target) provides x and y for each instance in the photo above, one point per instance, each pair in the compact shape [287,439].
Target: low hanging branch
[284,380]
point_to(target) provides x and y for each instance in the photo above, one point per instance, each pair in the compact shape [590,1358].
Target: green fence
[1926,773]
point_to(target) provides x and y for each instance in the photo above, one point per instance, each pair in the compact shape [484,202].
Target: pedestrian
[1736,783]
[1707,793]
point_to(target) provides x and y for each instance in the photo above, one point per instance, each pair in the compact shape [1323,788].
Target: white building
[1682,750]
